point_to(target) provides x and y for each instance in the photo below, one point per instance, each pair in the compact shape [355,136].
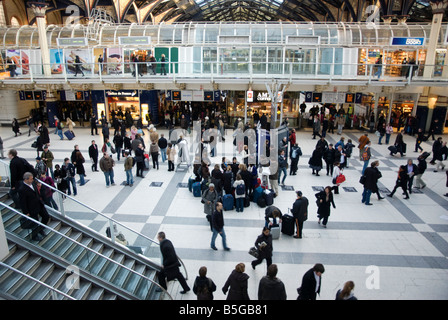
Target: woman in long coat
[315,161]
[237,282]
[325,200]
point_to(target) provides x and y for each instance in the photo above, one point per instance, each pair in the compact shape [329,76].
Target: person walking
[311,283]
[412,170]
[79,165]
[128,164]
[399,143]
[171,155]
[264,248]
[340,121]
[154,151]
[324,202]
[163,144]
[93,125]
[300,213]
[436,150]
[69,173]
[240,193]
[107,166]
[32,205]
[271,287]
[389,131]
[366,154]
[218,227]
[316,127]
[338,170]
[371,176]
[70,125]
[282,167]
[402,181]
[16,127]
[295,154]
[330,157]
[420,138]
[315,162]
[93,154]
[236,284]
[382,132]
[204,287]
[170,265]
[346,293]
[442,155]
[139,160]
[422,166]
[118,142]
[162,65]
[209,199]
[48,157]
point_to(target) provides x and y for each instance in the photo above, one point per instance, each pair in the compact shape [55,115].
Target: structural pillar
[39,9]
[438,9]
[2,15]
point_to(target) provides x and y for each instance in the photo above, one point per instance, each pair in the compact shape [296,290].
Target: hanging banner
[249,96]
[198,95]
[308,96]
[358,97]
[208,95]
[176,95]
[349,98]
[216,96]
[186,95]
[328,97]
[168,95]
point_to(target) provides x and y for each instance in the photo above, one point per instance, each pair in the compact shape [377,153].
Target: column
[438,9]
[39,9]
[2,15]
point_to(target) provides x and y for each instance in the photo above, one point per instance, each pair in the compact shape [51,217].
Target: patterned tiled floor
[394,249]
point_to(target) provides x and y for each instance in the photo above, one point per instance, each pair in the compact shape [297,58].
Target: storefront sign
[208,95]
[249,96]
[140,41]
[33,95]
[263,97]
[72,42]
[176,95]
[399,41]
[186,95]
[198,95]
[122,93]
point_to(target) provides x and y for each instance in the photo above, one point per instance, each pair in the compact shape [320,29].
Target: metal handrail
[111,220]
[38,281]
[85,247]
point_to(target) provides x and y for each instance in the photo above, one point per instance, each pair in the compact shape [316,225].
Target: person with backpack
[203,287]
[422,166]
[295,154]
[69,172]
[240,193]
[348,149]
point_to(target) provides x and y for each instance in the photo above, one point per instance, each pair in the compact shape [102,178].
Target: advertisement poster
[14,56]
[84,57]
[114,61]
[56,61]
[96,55]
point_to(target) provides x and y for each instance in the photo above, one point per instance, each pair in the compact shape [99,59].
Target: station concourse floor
[395,249]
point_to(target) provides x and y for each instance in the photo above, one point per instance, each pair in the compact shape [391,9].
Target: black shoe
[380,198]
[369,204]
[406,198]
[214,248]
[184,291]
[227,249]
[390,195]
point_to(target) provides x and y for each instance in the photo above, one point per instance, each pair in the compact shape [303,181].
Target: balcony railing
[210,71]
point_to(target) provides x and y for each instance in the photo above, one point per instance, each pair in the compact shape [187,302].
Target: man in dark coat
[264,248]
[412,171]
[436,147]
[300,213]
[311,283]
[402,181]
[93,154]
[17,167]
[399,143]
[218,227]
[93,126]
[32,205]
[372,174]
[170,264]
[270,287]
[330,157]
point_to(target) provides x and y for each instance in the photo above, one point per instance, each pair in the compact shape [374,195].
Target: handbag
[253,252]
[340,179]
[112,149]
[34,145]
[362,179]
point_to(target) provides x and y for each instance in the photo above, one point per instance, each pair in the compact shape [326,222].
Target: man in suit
[32,205]
[412,171]
[300,213]
[311,283]
[17,168]
[170,264]
[93,154]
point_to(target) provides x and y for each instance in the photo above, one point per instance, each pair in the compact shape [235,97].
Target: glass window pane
[259,60]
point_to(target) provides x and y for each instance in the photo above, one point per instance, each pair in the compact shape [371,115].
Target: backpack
[240,189]
[365,155]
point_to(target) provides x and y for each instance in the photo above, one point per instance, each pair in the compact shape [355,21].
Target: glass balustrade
[299,64]
[102,224]
[79,254]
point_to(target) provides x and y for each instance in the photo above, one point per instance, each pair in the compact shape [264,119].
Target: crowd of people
[240,180]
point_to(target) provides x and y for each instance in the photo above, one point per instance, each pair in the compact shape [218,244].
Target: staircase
[105,270]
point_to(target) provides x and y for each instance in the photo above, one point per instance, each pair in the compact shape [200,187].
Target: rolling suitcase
[246,202]
[196,187]
[227,202]
[269,197]
[69,134]
[275,231]
[191,180]
[403,147]
[258,192]
[288,224]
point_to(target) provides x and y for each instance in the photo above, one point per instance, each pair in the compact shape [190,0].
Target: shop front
[121,102]
[262,105]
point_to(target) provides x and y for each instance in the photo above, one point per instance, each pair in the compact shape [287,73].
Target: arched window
[15,22]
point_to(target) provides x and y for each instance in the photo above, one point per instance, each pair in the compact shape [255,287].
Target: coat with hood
[237,282]
[271,289]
